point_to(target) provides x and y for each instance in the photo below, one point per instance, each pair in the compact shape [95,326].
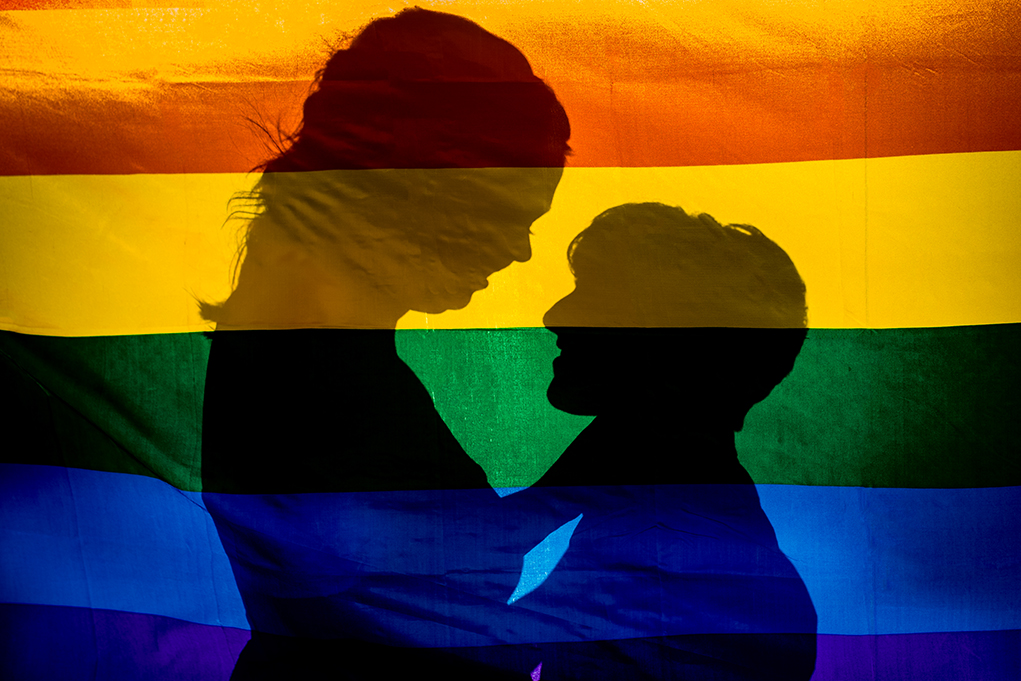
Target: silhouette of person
[678,321]
[427,149]
[676,328]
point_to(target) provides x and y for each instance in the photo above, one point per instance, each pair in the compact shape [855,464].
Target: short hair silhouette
[722,308]
[673,269]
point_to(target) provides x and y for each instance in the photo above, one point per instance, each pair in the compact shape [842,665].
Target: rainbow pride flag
[878,143]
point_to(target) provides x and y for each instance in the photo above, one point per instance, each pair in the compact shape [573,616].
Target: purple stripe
[953,656]
[54,642]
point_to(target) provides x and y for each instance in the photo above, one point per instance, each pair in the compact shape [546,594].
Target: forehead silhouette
[652,265]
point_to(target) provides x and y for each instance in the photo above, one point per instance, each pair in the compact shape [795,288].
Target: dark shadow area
[322,410]
[677,396]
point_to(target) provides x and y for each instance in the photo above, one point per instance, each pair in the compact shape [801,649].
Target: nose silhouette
[519,246]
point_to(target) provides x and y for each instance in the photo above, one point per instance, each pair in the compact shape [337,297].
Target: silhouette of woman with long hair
[676,328]
[427,149]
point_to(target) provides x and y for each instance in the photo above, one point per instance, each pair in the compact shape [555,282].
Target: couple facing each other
[364,541]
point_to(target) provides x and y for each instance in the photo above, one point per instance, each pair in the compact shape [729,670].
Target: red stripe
[701,119]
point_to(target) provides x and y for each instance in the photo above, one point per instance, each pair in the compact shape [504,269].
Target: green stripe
[124,404]
[882,408]
[893,408]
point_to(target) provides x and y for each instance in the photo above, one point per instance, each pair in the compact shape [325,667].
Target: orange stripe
[717,119]
[646,90]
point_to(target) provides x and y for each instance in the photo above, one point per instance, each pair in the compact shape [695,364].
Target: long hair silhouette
[427,149]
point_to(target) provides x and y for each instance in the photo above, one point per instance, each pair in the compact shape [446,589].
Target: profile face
[613,360]
[479,225]
[602,360]
[573,367]
[672,311]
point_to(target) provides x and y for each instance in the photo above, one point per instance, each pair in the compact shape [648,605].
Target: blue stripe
[875,561]
[112,541]
[436,568]
[903,561]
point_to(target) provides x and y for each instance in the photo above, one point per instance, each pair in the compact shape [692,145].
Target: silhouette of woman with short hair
[427,149]
[676,328]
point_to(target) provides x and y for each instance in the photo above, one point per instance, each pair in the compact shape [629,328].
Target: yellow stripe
[892,242]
